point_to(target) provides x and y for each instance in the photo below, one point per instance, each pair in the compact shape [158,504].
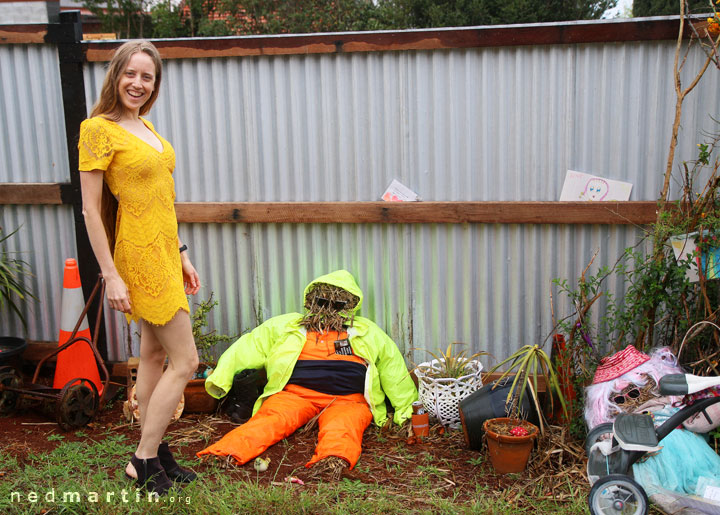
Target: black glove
[241,398]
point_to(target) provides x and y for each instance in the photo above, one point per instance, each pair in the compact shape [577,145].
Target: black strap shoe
[151,475]
[174,471]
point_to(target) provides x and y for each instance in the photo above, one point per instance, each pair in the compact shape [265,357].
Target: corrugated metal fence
[485,123]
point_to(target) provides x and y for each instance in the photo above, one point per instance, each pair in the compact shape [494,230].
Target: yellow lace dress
[146,243]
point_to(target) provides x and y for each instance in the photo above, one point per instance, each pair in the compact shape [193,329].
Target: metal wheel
[617,495]
[9,400]
[77,403]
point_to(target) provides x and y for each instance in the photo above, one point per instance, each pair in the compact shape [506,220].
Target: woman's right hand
[117,294]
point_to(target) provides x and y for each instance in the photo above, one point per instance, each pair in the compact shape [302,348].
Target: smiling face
[136,83]
[596,189]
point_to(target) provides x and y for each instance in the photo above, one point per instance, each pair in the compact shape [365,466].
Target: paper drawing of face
[596,189]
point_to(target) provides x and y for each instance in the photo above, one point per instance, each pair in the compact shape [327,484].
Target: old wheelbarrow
[78,401]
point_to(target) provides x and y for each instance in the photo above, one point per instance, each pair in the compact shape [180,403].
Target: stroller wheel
[617,494]
[598,433]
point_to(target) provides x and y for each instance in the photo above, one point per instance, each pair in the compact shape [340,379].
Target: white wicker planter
[441,397]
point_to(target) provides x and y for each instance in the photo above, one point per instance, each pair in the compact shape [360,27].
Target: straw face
[328,308]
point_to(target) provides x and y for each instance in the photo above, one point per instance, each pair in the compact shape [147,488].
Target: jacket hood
[342,279]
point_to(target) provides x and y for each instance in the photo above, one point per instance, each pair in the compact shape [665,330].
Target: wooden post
[68,36]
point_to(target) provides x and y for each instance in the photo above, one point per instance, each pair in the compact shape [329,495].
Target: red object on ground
[77,360]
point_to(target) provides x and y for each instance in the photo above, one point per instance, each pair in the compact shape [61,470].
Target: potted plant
[13,291]
[527,363]
[446,380]
[510,439]
[197,400]
[509,442]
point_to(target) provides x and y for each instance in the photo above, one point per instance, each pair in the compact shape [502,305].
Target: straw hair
[109,104]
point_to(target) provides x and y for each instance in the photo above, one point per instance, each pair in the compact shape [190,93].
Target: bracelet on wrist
[183,248]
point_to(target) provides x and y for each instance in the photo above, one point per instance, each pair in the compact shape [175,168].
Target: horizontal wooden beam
[419,212]
[22,34]
[32,193]
[614,213]
[576,32]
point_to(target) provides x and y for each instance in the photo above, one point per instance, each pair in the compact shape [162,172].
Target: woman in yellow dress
[128,197]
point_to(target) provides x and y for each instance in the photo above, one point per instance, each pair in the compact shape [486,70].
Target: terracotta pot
[509,453]
[489,402]
[197,400]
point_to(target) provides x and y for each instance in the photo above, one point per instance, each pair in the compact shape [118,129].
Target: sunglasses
[337,305]
[621,398]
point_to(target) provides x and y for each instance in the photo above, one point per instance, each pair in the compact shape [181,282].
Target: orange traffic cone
[78,359]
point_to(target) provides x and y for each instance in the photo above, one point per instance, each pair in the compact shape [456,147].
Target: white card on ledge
[580,186]
[398,192]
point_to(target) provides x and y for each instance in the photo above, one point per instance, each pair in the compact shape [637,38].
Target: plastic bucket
[487,403]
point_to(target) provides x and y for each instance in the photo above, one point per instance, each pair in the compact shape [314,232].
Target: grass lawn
[46,470]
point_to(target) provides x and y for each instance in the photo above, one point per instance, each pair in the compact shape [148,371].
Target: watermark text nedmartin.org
[66,497]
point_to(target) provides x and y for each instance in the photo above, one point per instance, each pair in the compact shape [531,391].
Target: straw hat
[612,367]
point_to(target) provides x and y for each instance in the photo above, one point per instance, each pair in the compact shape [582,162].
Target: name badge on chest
[343,348]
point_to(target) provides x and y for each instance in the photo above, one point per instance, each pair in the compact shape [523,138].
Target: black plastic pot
[487,403]
[10,347]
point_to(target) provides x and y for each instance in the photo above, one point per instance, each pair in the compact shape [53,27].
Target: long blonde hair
[109,106]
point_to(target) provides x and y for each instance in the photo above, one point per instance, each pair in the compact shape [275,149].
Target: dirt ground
[440,463]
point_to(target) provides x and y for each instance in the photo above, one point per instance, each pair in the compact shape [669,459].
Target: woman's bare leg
[176,340]
[150,370]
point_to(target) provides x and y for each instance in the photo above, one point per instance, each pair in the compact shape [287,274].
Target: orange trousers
[341,425]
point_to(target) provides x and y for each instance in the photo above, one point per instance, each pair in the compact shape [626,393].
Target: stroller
[612,448]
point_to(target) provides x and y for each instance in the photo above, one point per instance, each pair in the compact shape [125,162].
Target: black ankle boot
[151,475]
[174,471]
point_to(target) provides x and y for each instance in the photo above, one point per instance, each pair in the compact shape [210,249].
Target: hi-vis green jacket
[276,345]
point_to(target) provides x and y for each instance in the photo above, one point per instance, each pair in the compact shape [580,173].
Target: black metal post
[68,36]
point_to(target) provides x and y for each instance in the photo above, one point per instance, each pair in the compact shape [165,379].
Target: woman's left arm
[191,279]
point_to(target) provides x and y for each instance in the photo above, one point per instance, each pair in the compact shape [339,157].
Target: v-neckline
[162,144]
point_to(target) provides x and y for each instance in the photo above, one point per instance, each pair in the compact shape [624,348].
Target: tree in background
[126,18]
[299,16]
[129,18]
[167,21]
[667,7]
[458,13]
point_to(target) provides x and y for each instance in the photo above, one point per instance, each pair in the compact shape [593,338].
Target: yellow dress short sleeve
[95,146]
[146,251]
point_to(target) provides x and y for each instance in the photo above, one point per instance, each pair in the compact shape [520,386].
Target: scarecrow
[627,382]
[327,365]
